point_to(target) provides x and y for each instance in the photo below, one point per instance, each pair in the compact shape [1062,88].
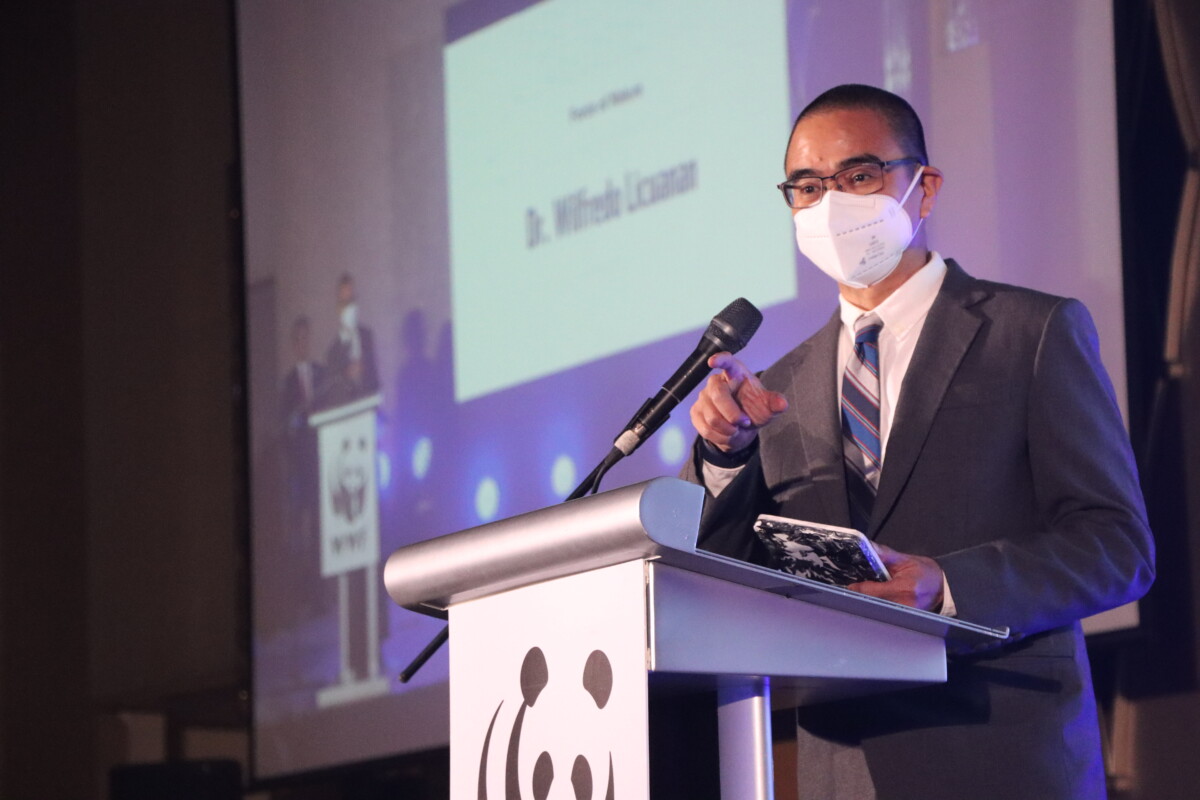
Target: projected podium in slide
[565,620]
[350,540]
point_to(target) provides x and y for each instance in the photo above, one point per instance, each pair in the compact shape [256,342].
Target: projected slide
[604,156]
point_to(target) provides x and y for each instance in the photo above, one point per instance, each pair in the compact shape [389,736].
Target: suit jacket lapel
[809,378]
[949,330]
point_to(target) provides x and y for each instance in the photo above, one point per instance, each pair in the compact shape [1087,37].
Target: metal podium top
[634,522]
[658,520]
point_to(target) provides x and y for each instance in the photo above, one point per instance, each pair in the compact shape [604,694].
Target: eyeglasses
[864,178]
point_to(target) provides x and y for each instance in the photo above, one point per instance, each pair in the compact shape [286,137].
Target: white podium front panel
[548,686]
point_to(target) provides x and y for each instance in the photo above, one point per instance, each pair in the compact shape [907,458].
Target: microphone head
[733,327]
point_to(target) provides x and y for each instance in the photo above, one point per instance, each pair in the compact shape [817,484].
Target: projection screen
[480,234]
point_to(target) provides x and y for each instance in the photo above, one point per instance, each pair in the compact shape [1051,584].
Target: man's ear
[931,184]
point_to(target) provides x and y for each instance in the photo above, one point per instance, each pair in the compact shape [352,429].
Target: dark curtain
[1158,244]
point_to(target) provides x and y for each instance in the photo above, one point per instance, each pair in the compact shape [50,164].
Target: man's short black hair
[904,122]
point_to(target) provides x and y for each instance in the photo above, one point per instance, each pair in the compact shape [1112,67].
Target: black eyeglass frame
[883,165]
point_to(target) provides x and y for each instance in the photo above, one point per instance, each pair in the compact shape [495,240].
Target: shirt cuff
[948,607]
[718,468]
[717,478]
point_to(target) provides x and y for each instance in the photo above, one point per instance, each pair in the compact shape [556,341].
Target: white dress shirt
[903,316]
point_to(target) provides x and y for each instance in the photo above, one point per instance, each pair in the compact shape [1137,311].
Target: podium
[564,621]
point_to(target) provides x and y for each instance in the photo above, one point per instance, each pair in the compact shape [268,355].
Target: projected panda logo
[576,698]
[349,479]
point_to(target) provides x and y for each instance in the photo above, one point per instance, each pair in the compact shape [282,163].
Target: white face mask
[856,239]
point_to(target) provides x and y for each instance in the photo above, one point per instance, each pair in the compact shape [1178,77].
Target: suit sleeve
[1093,549]
[727,520]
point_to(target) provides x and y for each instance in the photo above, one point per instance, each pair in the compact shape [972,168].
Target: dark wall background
[157,148]
[121,552]
[122,518]
[43,569]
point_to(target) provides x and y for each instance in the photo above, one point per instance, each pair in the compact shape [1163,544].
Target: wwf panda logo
[595,682]
[348,483]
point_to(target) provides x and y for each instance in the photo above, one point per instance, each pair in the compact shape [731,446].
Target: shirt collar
[907,305]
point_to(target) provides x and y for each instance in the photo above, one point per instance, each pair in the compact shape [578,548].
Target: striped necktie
[860,420]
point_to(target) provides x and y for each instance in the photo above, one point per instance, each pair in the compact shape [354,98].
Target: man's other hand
[916,580]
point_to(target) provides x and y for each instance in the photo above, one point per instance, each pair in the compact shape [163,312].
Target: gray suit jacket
[1007,462]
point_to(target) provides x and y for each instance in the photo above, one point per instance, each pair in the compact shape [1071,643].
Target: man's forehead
[838,138]
[809,171]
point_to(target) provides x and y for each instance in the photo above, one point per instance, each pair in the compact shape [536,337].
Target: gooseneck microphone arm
[729,332]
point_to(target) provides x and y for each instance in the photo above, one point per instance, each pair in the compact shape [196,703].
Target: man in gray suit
[970,430]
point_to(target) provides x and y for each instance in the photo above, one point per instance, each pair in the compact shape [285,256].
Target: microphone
[729,331]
